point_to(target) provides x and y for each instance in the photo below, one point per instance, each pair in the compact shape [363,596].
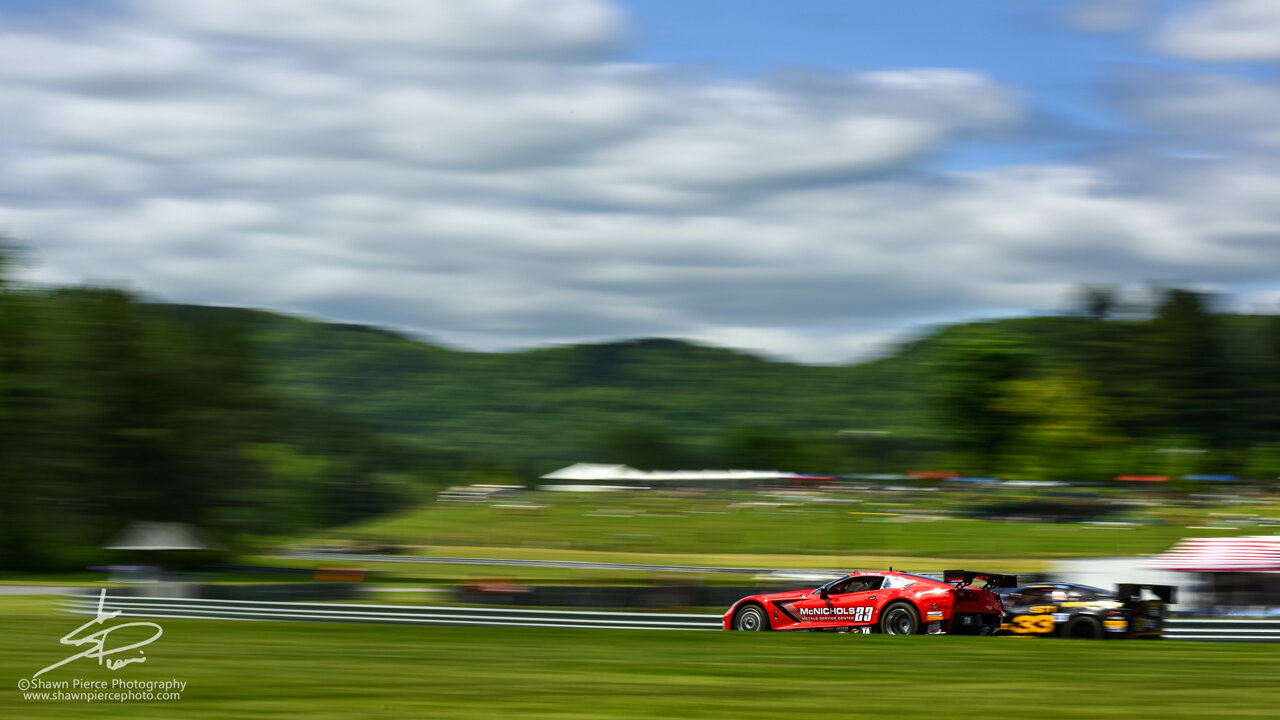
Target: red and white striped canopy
[1253,553]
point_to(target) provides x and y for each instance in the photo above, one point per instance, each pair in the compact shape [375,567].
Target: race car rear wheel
[899,619]
[750,617]
[1084,628]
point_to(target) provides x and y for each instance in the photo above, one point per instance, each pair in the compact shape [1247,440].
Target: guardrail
[1214,630]
[1222,630]
[160,607]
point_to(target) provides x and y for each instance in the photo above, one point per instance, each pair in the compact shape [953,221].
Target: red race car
[895,603]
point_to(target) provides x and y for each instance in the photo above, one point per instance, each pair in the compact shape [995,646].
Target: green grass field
[739,523]
[836,563]
[317,671]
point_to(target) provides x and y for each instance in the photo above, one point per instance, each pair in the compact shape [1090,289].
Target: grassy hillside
[817,531]
[851,523]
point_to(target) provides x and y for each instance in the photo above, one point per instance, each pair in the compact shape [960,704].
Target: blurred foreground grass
[281,670]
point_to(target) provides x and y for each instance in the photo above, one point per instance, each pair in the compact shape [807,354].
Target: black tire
[1084,628]
[990,625]
[899,619]
[750,618]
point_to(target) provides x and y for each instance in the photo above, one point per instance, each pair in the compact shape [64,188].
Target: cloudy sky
[808,179]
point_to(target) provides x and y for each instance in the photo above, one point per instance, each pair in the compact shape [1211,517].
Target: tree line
[1167,387]
[113,410]
[1163,385]
[249,424]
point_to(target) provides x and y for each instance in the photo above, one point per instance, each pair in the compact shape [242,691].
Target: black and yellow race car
[1080,611]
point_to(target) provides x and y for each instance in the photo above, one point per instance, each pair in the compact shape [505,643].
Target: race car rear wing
[1132,592]
[992,580]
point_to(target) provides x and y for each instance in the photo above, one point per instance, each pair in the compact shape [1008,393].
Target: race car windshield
[863,583]
[904,576]
[856,583]
[1087,592]
[851,583]
[827,587]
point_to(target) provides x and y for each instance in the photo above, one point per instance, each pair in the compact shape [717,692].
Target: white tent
[584,473]
[1250,553]
[158,536]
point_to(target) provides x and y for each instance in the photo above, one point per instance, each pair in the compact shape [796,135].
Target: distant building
[477,493]
[1214,576]
[1234,575]
[596,477]
[159,537]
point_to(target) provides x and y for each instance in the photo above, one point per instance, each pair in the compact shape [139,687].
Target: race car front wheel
[899,619]
[750,617]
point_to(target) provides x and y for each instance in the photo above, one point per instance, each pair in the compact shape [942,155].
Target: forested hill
[244,422]
[574,403]
[1074,394]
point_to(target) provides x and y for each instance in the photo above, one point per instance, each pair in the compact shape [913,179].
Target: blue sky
[755,37]
[811,179]
[1033,46]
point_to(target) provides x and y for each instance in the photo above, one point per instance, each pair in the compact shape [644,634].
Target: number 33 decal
[1028,624]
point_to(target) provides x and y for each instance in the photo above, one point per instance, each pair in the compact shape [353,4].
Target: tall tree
[972,380]
[641,448]
[1065,427]
[1190,366]
[758,449]
[1098,301]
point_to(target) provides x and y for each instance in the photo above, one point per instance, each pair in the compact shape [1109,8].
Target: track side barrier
[160,607]
[1222,630]
[1213,630]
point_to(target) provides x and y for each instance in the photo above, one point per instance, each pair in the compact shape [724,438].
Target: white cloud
[1209,113]
[1224,30]
[473,30]
[780,344]
[1265,302]
[484,174]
